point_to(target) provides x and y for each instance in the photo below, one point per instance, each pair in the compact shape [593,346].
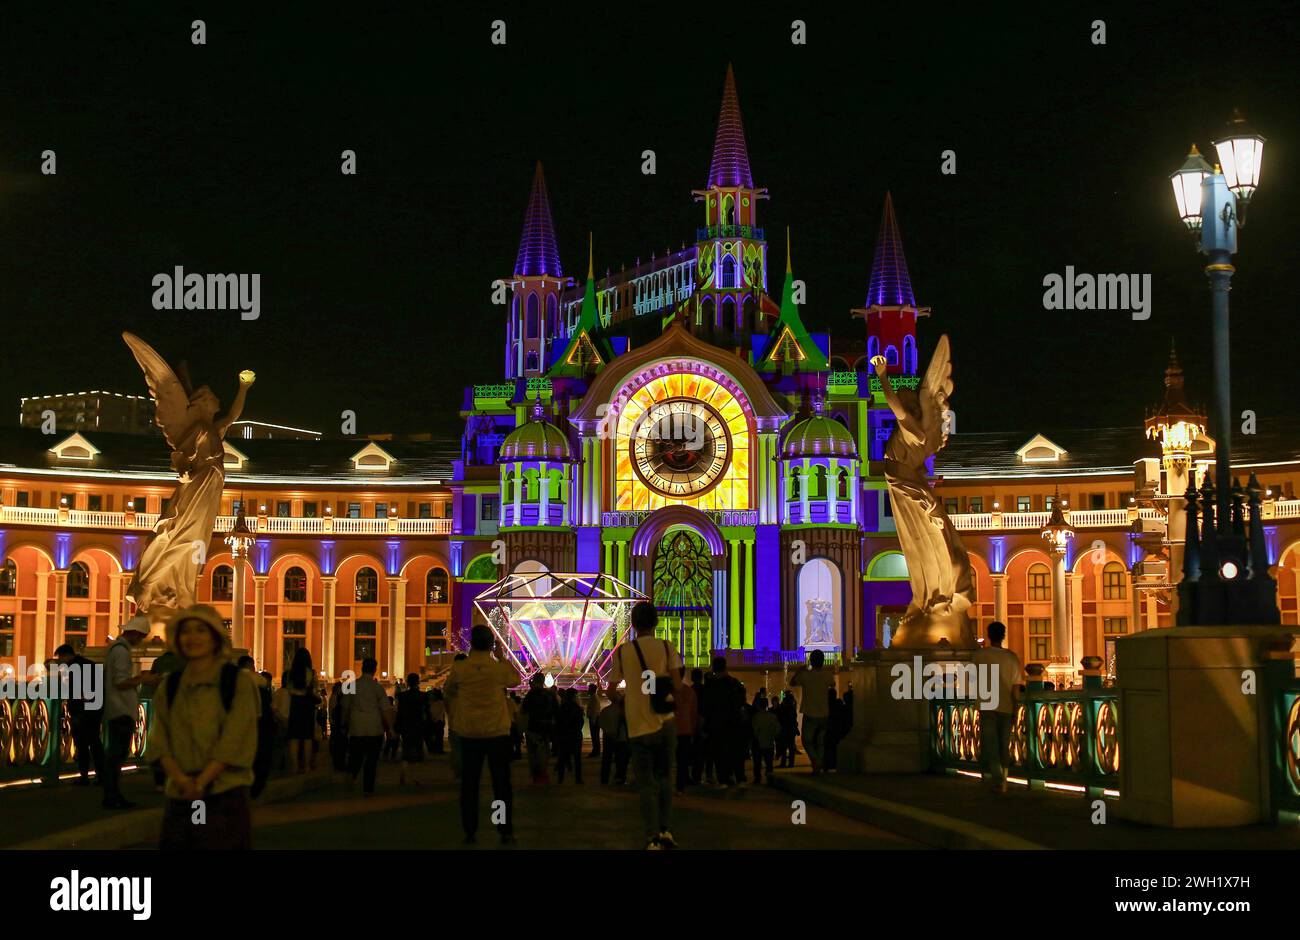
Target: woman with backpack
[300,683]
[204,735]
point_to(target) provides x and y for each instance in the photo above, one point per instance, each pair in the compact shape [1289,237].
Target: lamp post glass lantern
[1241,155]
[1186,181]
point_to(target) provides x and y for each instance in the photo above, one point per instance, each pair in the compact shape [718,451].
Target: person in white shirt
[995,723]
[644,663]
[476,694]
[121,703]
[367,718]
[814,682]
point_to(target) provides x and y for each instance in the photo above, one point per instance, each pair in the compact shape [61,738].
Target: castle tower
[731,265]
[535,289]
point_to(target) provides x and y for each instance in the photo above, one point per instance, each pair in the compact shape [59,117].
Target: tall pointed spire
[730,165]
[538,254]
[890,284]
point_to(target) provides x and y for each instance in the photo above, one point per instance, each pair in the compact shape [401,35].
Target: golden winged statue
[937,566]
[168,570]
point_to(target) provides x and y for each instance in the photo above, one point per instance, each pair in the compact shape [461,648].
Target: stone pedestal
[1192,737]
[890,735]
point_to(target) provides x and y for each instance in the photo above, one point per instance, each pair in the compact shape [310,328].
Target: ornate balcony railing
[279,525]
[722,517]
[728,231]
[1066,738]
[37,733]
[1079,518]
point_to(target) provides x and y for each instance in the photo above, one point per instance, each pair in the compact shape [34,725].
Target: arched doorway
[821,605]
[682,591]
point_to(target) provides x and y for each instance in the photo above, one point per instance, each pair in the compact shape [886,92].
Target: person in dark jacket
[85,722]
[722,708]
[568,736]
[412,712]
[788,713]
[538,709]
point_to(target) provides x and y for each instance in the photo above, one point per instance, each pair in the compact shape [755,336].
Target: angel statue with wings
[168,570]
[937,566]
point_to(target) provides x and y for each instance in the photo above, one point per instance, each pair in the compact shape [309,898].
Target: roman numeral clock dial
[680,448]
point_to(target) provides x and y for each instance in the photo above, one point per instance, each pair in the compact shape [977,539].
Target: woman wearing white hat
[205,736]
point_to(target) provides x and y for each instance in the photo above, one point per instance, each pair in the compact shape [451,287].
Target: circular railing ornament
[138,734]
[977,738]
[22,734]
[1293,745]
[1043,731]
[6,733]
[1108,738]
[67,747]
[1076,735]
[1019,739]
[40,731]
[939,724]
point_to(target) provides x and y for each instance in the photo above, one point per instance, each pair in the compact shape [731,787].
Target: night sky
[376,287]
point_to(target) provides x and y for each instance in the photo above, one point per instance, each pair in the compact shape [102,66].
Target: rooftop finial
[591,264]
[787,249]
[538,413]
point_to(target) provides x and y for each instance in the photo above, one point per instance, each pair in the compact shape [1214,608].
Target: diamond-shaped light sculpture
[560,624]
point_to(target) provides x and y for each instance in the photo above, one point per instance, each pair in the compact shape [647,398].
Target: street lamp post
[1212,203]
[240,541]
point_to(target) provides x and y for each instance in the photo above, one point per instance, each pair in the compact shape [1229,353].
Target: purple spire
[730,155]
[890,284]
[538,254]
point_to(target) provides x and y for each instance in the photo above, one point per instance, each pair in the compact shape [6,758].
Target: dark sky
[376,288]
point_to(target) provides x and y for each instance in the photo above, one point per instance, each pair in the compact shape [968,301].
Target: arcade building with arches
[675,426]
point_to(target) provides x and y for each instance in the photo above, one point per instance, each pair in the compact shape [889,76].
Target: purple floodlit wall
[464,610]
[869,504]
[767,587]
[877,594]
[588,558]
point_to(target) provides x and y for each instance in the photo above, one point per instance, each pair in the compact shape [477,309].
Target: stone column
[114,597]
[1000,597]
[259,652]
[124,614]
[42,618]
[748,545]
[59,585]
[1135,600]
[1060,610]
[328,641]
[1075,584]
[396,627]
[734,637]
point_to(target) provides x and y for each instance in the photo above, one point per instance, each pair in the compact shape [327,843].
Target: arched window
[842,487]
[817,483]
[891,355]
[873,348]
[1040,583]
[727,272]
[367,586]
[295,586]
[436,586]
[795,482]
[531,327]
[530,364]
[909,354]
[8,579]
[729,313]
[1113,587]
[223,583]
[550,313]
[728,210]
[78,580]
[706,311]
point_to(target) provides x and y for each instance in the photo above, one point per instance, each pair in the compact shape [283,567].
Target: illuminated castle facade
[675,426]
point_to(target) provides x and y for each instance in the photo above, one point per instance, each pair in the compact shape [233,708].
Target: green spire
[581,348]
[790,345]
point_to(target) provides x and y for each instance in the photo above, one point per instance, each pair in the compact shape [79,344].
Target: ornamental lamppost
[1213,203]
[240,541]
[1057,534]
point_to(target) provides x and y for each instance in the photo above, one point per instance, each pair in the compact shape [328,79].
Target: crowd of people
[219,727]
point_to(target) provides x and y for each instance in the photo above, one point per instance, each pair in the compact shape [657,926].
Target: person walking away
[538,709]
[338,734]
[593,718]
[366,719]
[788,714]
[613,729]
[121,704]
[437,720]
[265,729]
[767,728]
[84,722]
[300,683]
[647,666]
[476,690]
[391,740]
[411,711]
[687,715]
[995,723]
[724,704]
[813,681]
[568,736]
[205,736]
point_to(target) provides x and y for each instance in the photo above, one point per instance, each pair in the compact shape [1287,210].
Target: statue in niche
[168,569]
[817,623]
[939,571]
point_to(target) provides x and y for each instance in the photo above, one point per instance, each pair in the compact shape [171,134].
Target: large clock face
[680,448]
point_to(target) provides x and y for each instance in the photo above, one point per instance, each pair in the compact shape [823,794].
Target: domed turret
[816,435]
[537,439]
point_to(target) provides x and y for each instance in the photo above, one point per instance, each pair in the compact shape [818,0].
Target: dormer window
[234,458]
[1041,450]
[75,447]
[373,459]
